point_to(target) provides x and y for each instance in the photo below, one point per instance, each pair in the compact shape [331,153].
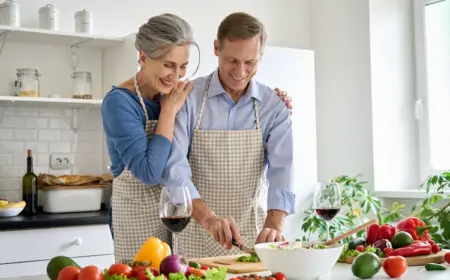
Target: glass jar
[27,83]
[82,84]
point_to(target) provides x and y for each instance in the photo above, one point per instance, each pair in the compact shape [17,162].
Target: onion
[172,264]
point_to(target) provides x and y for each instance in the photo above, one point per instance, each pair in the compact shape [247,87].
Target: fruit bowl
[11,209]
[299,263]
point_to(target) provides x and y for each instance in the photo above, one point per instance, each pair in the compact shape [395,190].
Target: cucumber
[56,264]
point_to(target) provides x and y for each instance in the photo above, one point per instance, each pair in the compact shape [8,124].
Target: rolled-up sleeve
[122,124]
[280,158]
[178,171]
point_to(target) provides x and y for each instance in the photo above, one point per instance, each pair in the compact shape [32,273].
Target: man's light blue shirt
[222,113]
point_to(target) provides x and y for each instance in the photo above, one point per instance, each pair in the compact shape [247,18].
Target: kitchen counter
[339,272]
[46,220]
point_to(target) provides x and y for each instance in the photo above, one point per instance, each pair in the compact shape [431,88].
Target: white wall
[395,131]
[340,39]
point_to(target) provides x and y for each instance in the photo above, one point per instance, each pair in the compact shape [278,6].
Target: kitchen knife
[243,248]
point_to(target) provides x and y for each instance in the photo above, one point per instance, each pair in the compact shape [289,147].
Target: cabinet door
[39,268]
[44,244]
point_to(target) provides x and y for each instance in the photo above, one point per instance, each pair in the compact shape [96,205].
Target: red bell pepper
[415,249]
[415,227]
[435,248]
[372,234]
[376,232]
[387,231]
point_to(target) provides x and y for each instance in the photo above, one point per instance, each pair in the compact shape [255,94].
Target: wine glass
[175,209]
[327,202]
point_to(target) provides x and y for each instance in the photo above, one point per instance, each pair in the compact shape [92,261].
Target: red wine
[176,223]
[327,214]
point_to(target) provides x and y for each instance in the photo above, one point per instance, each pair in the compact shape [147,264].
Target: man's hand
[223,230]
[269,235]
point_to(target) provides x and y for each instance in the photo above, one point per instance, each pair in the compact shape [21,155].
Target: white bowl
[299,264]
[11,212]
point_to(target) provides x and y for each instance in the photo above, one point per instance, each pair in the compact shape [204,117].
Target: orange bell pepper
[153,251]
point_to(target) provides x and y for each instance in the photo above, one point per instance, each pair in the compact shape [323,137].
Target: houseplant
[359,205]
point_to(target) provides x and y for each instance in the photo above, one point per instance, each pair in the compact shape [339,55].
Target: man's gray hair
[162,32]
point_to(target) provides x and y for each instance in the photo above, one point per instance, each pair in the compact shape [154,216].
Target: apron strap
[202,106]
[205,94]
[141,100]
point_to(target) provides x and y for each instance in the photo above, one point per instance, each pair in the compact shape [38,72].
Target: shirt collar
[216,88]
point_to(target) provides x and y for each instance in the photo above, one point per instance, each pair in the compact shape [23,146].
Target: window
[432,33]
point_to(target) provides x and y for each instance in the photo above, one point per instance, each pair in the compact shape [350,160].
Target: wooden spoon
[350,232]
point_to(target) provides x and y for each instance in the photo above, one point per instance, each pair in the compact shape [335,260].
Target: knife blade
[243,248]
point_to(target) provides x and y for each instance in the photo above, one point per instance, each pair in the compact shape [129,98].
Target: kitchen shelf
[43,36]
[48,102]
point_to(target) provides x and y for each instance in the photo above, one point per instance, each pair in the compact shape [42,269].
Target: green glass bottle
[29,188]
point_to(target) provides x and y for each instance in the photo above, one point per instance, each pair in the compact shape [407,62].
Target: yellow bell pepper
[153,251]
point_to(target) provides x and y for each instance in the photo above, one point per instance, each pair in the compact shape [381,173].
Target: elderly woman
[138,119]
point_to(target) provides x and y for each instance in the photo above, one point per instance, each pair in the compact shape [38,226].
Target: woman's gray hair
[162,32]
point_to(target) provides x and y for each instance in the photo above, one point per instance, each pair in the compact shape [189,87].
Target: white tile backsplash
[46,131]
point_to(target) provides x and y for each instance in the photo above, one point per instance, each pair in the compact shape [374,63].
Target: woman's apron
[228,171]
[135,207]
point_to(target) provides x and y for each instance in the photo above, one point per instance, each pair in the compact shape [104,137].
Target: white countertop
[339,272]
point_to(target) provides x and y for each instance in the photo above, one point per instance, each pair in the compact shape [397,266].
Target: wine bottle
[29,188]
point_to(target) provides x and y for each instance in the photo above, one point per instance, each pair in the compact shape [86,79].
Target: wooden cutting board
[230,263]
[414,261]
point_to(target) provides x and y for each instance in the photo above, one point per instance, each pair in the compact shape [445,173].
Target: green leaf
[445,226]
[435,199]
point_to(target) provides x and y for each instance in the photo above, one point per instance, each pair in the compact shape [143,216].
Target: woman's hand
[285,97]
[173,101]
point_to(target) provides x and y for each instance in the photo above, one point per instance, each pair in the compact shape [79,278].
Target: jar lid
[81,74]
[27,70]
[48,7]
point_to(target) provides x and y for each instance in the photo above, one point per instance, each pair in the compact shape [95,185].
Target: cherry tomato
[90,272]
[360,248]
[280,276]
[447,257]
[120,269]
[204,267]
[395,266]
[69,273]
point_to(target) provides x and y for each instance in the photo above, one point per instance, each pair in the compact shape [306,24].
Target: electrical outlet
[60,161]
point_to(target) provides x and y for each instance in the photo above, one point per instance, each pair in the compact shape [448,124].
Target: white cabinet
[27,252]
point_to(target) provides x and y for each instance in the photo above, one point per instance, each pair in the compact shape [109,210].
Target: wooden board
[414,261]
[230,263]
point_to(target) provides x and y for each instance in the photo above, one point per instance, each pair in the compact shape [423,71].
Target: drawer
[44,244]
[39,268]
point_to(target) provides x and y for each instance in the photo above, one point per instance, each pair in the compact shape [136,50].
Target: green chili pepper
[434,267]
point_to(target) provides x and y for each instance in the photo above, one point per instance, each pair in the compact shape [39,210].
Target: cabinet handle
[78,241]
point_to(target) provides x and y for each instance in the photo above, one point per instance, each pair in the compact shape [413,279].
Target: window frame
[421,105]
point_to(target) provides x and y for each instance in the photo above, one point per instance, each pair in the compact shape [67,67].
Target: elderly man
[233,149]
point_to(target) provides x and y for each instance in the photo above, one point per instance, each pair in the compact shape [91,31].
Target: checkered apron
[135,207]
[228,171]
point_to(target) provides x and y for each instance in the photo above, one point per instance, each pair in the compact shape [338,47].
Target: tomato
[68,273]
[141,275]
[90,272]
[137,269]
[280,276]
[395,266]
[447,257]
[120,269]
[204,267]
[361,248]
